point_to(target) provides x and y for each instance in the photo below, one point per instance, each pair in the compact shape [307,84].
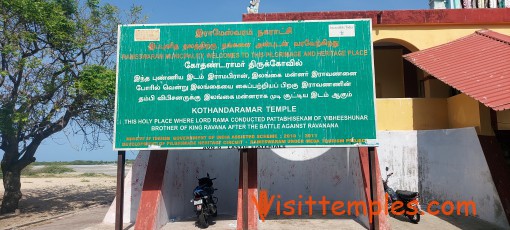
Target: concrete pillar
[151,201]
[247,217]
[370,171]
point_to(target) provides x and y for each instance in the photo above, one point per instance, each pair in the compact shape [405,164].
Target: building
[467,4]
[409,98]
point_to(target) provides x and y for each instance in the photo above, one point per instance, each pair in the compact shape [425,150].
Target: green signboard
[245,85]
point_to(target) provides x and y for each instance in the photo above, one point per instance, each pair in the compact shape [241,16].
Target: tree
[57,61]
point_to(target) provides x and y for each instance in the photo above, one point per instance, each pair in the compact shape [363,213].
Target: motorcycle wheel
[215,213]
[414,218]
[202,221]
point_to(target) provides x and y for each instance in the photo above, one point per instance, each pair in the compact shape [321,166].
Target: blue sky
[67,148]
[231,11]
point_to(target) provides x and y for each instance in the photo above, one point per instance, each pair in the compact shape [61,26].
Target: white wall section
[443,165]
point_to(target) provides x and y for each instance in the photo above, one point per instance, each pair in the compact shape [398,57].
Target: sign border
[370,142]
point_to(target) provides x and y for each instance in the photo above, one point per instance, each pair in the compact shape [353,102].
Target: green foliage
[29,171]
[49,169]
[76,162]
[56,72]
[55,169]
[58,60]
[55,18]
[97,82]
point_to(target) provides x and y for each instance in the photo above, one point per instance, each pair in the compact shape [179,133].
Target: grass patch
[55,169]
[48,169]
[29,171]
[77,162]
[84,180]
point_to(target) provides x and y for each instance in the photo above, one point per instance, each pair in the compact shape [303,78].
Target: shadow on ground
[63,200]
[468,222]
[38,205]
[432,222]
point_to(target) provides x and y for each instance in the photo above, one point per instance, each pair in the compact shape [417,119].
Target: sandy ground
[48,198]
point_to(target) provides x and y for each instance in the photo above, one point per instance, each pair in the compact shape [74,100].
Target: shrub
[48,169]
[76,162]
[29,171]
[55,169]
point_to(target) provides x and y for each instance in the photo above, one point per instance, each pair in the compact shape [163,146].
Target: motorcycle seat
[205,182]
[406,194]
[203,190]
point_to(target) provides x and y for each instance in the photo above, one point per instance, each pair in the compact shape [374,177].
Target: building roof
[380,18]
[477,65]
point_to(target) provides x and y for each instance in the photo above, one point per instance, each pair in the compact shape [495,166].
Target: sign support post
[247,215]
[373,185]
[119,211]
[244,157]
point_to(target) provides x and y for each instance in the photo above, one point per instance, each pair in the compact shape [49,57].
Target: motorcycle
[411,206]
[204,201]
